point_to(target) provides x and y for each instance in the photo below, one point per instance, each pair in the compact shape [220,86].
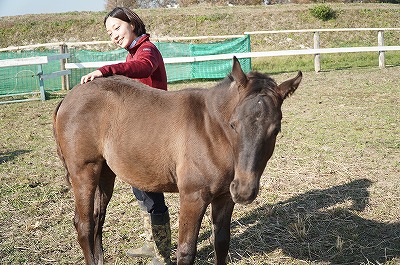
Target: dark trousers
[153,201]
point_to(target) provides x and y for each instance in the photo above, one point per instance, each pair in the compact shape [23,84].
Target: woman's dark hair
[128,16]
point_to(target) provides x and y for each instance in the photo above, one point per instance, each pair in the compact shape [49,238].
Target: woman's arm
[145,61]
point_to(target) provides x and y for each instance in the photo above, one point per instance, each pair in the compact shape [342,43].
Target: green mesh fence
[208,69]
[175,71]
[24,79]
[77,55]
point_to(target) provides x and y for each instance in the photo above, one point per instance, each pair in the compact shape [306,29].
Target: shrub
[323,12]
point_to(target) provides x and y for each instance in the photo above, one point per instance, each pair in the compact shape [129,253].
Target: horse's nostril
[254,193]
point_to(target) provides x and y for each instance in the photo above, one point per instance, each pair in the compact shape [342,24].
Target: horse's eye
[233,126]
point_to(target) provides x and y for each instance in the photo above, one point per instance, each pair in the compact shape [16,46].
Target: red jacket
[143,62]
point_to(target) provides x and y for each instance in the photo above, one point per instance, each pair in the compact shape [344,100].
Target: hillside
[203,20]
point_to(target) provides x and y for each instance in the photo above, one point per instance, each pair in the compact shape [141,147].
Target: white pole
[381,42]
[317,62]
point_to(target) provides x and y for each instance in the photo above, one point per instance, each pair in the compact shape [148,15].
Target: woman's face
[120,32]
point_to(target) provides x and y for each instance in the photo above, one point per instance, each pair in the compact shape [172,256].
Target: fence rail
[40,61]
[319,30]
[316,51]
[244,55]
[380,48]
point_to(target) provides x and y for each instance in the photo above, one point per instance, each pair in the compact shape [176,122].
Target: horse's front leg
[192,208]
[221,213]
[84,183]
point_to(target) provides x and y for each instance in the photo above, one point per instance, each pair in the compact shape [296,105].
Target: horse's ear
[288,87]
[238,74]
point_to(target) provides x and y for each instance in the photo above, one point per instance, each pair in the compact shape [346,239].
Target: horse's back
[113,91]
[136,129]
[110,99]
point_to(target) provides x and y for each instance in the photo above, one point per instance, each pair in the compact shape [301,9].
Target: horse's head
[255,124]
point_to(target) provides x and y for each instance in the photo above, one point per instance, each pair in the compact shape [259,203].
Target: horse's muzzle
[244,193]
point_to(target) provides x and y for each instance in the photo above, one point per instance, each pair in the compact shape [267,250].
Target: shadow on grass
[320,225]
[8,156]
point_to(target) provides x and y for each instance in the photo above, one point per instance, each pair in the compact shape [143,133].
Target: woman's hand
[91,76]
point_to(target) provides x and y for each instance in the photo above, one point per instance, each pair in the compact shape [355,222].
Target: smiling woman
[143,62]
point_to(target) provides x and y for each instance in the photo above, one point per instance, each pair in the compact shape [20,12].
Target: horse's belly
[150,182]
[151,175]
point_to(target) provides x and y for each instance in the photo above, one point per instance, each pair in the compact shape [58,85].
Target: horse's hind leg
[84,180]
[102,198]
[221,213]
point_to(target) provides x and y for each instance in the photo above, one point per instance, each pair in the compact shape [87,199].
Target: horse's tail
[59,152]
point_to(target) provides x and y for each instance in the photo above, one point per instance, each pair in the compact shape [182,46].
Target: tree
[110,4]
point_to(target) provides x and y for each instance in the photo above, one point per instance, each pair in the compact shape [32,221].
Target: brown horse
[210,145]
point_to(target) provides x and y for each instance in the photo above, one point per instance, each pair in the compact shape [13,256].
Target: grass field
[222,20]
[329,195]
[216,20]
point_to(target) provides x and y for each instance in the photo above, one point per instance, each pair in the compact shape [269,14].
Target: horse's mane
[261,81]
[123,85]
[224,82]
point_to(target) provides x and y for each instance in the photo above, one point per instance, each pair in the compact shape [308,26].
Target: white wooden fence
[380,48]
[40,61]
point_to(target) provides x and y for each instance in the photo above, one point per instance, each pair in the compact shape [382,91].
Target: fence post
[64,78]
[67,76]
[381,42]
[317,62]
[41,83]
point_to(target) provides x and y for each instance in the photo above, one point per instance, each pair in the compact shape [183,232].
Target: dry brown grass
[330,194]
[214,20]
